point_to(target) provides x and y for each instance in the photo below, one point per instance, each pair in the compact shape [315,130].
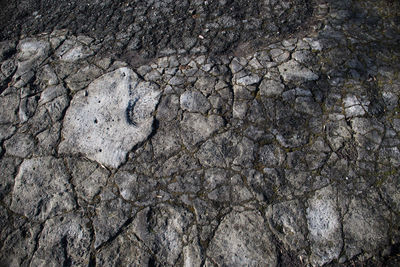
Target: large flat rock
[110,117]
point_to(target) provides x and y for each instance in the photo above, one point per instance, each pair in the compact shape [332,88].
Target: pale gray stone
[9,105]
[31,53]
[50,93]
[48,140]
[83,77]
[365,227]
[238,241]
[193,101]
[125,250]
[88,178]
[197,128]
[110,217]
[248,80]
[279,55]
[19,245]
[205,84]
[190,182]
[73,52]
[168,108]
[167,140]
[161,229]
[271,155]
[192,255]
[288,221]
[293,71]
[324,226]
[302,56]
[108,119]
[20,145]
[64,240]
[337,133]
[27,108]
[219,151]
[245,153]
[271,88]
[8,167]
[42,189]
[8,67]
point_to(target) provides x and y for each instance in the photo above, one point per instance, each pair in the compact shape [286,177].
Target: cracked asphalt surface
[200,133]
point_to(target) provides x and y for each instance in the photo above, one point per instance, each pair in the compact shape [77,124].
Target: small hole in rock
[95,121]
[100,150]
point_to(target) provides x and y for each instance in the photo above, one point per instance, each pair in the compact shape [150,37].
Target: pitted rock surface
[200,133]
[105,121]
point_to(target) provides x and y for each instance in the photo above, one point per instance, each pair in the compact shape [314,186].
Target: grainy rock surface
[199,133]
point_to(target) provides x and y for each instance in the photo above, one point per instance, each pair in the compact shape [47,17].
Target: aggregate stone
[324,226]
[48,140]
[270,88]
[193,101]
[264,185]
[205,84]
[288,221]
[135,186]
[292,131]
[8,67]
[271,155]
[110,217]
[83,77]
[168,107]
[190,182]
[19,245]
[31,53]
[197,128]
[217,152]
[167,141]
[245,153]
[88,178]
[50,93]
[365,226]
[64,240]
[338,132]
[8,108]
[6,49]
[20,145]
[125,250]
[73,52]
[305,131]
[27,108]
[161,229]
[47,76]
[8,167]
[192,254]
[237,241]
[42,189]
[293,71]
[98,125]
[390,189]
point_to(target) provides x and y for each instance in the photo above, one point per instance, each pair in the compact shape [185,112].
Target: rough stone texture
[114,114]
[44,183]
[161,229]
[64,240]
[199,133]
[237,241]
[324,226]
